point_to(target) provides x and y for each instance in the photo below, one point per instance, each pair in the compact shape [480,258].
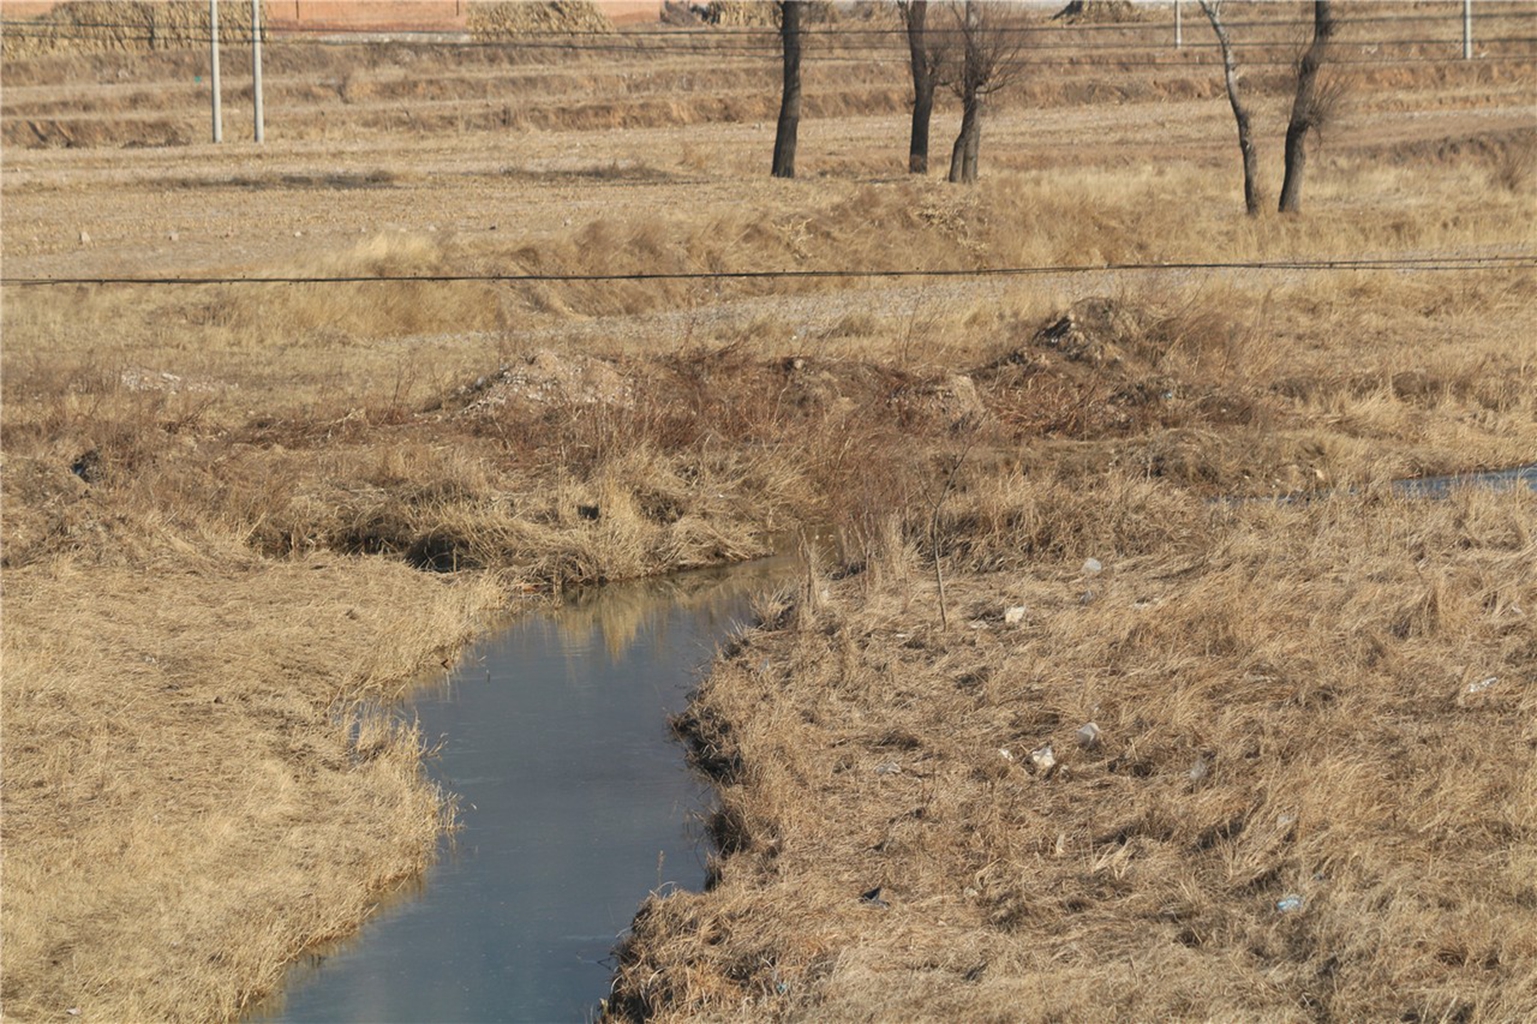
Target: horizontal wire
[1420,263]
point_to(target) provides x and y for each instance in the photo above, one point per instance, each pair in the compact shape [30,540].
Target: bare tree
[1251,197]
[926,58]
[991,60]
[1312,107]
[790,98]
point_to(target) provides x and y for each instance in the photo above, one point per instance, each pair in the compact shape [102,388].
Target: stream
[575,802]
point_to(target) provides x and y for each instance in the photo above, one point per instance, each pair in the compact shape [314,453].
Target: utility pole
[213,46]
[1179,33]
[1467,29]
[256,64]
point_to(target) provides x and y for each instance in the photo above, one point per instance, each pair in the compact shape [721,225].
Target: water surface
[575,803]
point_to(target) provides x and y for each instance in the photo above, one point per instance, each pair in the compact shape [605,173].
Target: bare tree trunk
[915,14]
[1251,199]
[973,142]
[790,98]
[963,156]
[1307,109]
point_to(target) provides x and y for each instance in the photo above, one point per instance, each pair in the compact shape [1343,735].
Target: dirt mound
[1103,368]
[508,20]
[951,402]
[1097,12]
[132,26]
[1095,337]
[545,379]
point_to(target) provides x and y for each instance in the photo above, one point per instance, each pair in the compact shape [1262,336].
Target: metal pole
[1179,28]
[256,64]
[1467,29]
[213,56]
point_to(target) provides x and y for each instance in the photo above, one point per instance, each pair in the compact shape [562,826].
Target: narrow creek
[574,804]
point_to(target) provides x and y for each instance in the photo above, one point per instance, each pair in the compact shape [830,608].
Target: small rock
[1006,753]
[872,898]
[1088,735]
[1092,566]
[85,238]
[1015,615]
[298,234]
[1043,758]
[888,768]
[1199,770]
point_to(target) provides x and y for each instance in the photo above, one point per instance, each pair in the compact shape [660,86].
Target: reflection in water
[574,804]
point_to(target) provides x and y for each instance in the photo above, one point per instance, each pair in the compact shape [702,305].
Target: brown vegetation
[1271,761]
[218,500]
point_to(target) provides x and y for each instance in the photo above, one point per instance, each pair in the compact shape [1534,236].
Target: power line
[1439,262]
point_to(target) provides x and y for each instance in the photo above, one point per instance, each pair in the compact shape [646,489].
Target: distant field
[239,516]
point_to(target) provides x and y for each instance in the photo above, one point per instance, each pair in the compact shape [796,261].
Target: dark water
[1435,487]
[575,803]
[1441,486]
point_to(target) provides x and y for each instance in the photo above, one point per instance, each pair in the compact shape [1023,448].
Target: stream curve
[575,802]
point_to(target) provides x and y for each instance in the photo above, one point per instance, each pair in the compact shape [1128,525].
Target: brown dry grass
[195,791]
[1293,701]
[237,482]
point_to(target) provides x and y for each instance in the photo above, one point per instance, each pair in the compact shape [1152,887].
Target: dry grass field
[240,519]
